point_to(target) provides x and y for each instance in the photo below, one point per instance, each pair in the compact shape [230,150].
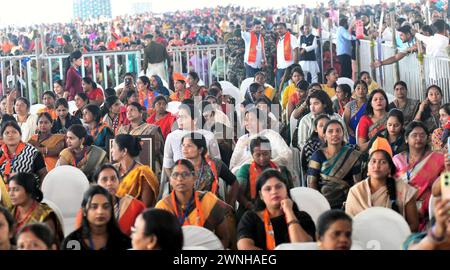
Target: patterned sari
[93,158]
[50,143]
[132,183]
[421,176]
[335,176]
[355,116]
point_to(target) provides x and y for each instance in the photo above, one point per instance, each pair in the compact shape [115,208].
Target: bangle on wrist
[294,221]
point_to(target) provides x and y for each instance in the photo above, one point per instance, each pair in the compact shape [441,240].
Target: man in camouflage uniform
[235,51]
[270,48]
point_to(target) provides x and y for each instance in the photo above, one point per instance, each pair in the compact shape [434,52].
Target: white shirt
[281,62]
[436,45]
[259,56]
[172,146]
[28,127]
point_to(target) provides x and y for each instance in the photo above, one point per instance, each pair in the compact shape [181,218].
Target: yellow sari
[132,183]
[4,195]
[94,158]
[52,142]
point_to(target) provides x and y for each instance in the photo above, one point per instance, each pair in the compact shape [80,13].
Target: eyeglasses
[175,175]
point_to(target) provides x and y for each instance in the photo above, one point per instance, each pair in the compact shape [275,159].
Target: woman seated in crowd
[334,168]
[254,92]
[146,94]
[334,231]
[296,75]
[219,124]
[297,98]
[99,131]
[275,219]
[264,104]
[209,170]
[27,208]
[195,89]
[58,88]
[157,85]
[136,180]
[126,208]
[81,100]
[115,117]
[48,98]
[408,106]
[17,156]
[37,236]
[331,77]
[394,132]
[48,144]
[419,166]
[138,127]
[315,141]
[355,109]
[437,137]
[99,229]
[80,152]
[303,108]
[91,90]
[319,103]
[64,119]
[371,84]
[161,117]
[27,121]
[380,189]
[256,124]
[199,208]
[429,108]
[157,229]
[187,120]
[343,96]
[180,93]
[374,118]
[7,223]
[261,150]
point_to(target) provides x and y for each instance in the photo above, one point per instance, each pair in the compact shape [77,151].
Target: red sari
[164,123]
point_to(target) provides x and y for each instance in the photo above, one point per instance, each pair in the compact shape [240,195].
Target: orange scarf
[8,159]
[253,44]
[94,133]
[198,208]
[215,185]
[255,171]
[287,47]
[270,234]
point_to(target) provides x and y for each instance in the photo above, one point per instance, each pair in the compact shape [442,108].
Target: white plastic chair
[36,107]
[195,236]
[344,80]
[57,211]
[298,246]
[72,107]
[311,201]
[173,107]
[65,187]
[379,228]
[194,248]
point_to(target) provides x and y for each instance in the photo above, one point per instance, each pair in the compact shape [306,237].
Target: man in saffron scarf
[254,57]
[287,50]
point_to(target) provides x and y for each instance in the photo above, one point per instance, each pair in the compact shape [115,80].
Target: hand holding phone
[445,186]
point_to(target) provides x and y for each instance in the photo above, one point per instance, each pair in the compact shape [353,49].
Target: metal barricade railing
[106,68]
[209,61]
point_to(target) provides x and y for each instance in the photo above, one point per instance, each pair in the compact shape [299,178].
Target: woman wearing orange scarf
[16,156]
[261,152]
[192,207]
[276,219]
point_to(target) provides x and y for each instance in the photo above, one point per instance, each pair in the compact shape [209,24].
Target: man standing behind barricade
[307,53]
[155,55]
[255,57]
[287,50]
[344,48]
[270,50]
[235,51]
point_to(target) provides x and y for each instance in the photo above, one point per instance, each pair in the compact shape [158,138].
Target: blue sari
[355,116]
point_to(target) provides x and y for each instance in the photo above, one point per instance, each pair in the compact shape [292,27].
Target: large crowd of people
[224,166]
